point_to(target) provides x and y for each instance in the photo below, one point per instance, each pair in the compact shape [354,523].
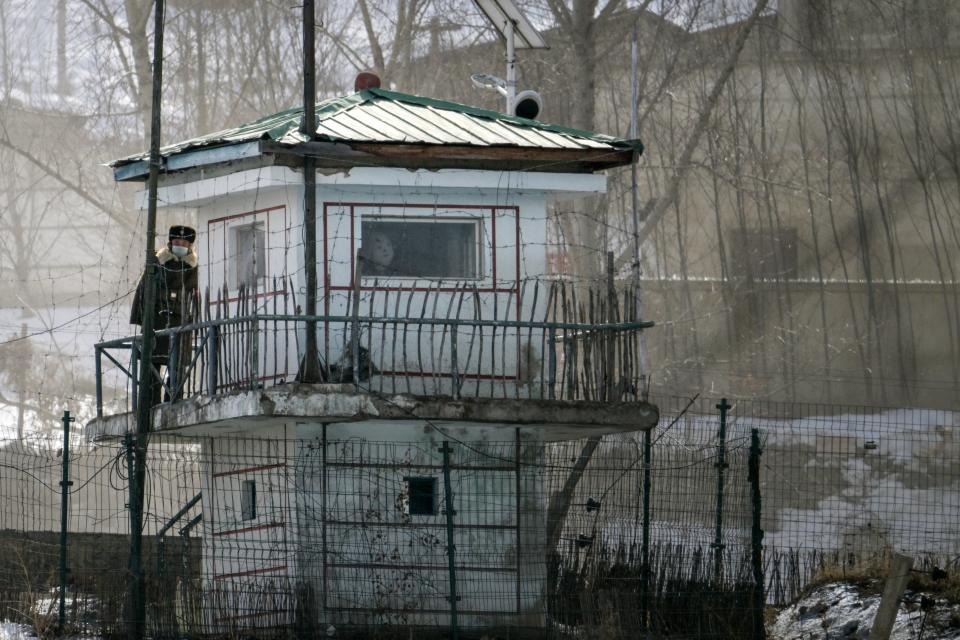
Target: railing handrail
[469,322]
[578,374]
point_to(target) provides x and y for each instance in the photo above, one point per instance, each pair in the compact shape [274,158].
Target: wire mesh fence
[332,534]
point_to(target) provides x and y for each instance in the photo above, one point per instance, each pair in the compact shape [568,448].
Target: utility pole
[635,199]
[145,401]
[21,387]
[310,365]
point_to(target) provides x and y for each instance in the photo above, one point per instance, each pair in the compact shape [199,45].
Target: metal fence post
[451,547]
[645,542]
[721,465]
[65,485]
[756,537]
[134,468]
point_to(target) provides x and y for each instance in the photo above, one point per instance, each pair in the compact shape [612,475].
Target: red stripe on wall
[259,527]
[249,469]
[251,572]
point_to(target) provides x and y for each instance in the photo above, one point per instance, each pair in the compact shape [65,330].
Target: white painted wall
[509,207]
[384,565]
[249,564]
[342,499]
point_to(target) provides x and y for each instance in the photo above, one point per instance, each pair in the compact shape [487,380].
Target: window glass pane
[249,253]
[248,500]
[419,248]
[422,496]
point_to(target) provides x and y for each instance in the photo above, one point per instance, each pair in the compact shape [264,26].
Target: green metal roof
[381,116]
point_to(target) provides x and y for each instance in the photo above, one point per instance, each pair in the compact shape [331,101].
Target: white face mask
[179,251]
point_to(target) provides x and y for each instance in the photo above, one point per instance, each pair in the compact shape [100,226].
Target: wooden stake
[892,592]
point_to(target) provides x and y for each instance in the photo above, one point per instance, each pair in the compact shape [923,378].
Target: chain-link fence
[451,532]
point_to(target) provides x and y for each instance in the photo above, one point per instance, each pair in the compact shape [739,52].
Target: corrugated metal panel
[344,128]
[453,130]
[381,131]
[476,127]
[420,118]
[386,116]
[407,125]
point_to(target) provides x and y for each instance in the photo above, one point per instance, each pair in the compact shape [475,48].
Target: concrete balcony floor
[245,412]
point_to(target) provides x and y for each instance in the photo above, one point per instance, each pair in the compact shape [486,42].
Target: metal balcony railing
[563,350]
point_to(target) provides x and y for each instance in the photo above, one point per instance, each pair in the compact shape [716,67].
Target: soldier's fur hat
[182,232]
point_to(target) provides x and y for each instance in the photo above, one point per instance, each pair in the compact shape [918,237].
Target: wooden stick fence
[544,339]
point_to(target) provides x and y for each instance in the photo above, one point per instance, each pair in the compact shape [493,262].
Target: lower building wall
[335,538]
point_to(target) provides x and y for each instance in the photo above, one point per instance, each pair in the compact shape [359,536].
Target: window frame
[480,247]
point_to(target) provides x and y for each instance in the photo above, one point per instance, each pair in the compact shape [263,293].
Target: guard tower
[444,340]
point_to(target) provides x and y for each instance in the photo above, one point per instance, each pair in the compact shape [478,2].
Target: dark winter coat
[177,301]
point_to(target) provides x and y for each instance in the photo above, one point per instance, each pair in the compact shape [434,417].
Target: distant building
[811,252]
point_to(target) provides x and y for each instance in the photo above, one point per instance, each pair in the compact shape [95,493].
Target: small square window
[248,500]
[421,496]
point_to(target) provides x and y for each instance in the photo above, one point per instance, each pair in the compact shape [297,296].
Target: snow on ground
[15,631]
[844,610]
[60,354]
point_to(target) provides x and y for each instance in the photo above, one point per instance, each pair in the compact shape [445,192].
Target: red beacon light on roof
[366,80]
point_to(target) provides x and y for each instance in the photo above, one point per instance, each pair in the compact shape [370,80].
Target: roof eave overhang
[413,156]
[139,170]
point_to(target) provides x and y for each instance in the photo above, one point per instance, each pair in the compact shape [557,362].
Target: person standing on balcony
[176,304]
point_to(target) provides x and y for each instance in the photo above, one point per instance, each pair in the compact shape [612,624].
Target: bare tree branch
[654,211]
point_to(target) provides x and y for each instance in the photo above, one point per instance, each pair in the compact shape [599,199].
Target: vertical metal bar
[355,325]
[323,516]
[609,371]
[756,537]
[645,541]
[511,67]
[65,485]
[635,204]
[454,364]
[98,372]
[519,514]
[552,366]
[135,472]
[310,365]
[213,354]
[173,368]
[451,547]
[134,376]
[254,348]
[721,465]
